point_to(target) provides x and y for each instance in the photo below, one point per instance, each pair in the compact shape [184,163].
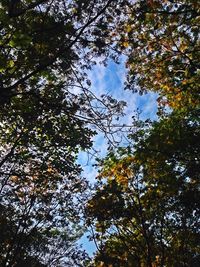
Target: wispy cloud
[110,80]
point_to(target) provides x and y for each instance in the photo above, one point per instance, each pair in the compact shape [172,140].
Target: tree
[146,212]
[162,43]
[46,49]
[145,206]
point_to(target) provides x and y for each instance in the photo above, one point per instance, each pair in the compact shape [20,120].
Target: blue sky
[110,80]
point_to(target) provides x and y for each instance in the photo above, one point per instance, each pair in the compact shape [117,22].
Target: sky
[110,80]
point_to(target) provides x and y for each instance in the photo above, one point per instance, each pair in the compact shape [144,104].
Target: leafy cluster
[162,38]
[145,208]
[46,48]
[146,212]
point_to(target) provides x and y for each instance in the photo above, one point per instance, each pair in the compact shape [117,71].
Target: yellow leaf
[125,44]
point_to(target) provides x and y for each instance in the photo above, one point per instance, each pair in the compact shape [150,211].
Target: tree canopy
[163,42]
[144,209]
[46,49]
[146,212]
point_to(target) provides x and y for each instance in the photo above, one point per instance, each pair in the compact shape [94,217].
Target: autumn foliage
[143,210]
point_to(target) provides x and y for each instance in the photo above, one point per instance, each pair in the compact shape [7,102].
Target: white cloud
[110,80]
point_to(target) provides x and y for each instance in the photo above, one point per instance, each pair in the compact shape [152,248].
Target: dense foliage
[145,209]
[146,212]
[46,48]
[163,42]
